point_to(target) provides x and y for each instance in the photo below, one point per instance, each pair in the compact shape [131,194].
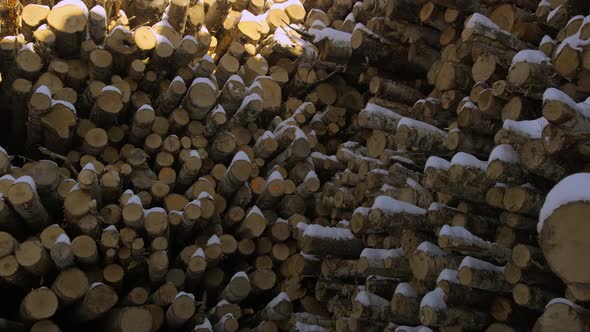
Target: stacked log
[317,166]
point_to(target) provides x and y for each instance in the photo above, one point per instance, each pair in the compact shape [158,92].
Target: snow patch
[574,41]
[370,107]
[530,128]
[467,160]
[134,200]
[328,232]
[160,39]
[506,153]
[99,10]
[413,184]
[204,80]
[406,290]
[95,284]
[337,37]
[163,23]
[227,316]
[274,176]
[205,195]
[110,88]
[393,205]
[373,255]
[240,274]
[402,159]
[547,39]
[408,122]
[194,153]
[154,210]
[240,155]
[281,297]
[213,240]
[27,47]
[63,238]
[435,206]
[67,104]
[532,56]
[28,180]
[302,327]
[119,27]
[181,293]
[343,224]
[308,257]
[283,38]
[311,175]
[555,94]
[479,19]
[146,107]
[434,299]
[234,79]
[206,325]
[412,329]
[89,166]
[459,232]
[437,162]
[112,228]
[448,275]
[477,264]
[199,252]
[44,90]
[363,28]
[190,38]
[75,3]
[431,248]
[369,299]
[254,210]
[362,210]
[566,302]
[75,187]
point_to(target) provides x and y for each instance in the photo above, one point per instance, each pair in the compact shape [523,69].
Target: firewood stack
[227,165]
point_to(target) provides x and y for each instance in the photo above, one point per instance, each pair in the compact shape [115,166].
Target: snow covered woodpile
[298,165]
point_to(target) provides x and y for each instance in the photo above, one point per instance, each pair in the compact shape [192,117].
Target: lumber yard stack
[324,165]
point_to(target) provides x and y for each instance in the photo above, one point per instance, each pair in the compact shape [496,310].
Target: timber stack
[317,165]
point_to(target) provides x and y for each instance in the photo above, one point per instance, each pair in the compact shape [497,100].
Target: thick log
[70,286]
[68,22]
[483,275]
[435,312]
[532,297]
[39,304]
[388,213]
[429,260]
[558,308]
[391,90]
[318,240]
[572,277]
[419,136]
[97,301]
[23,196]
[460,239]
[370,307]
[523,200]
[121,319]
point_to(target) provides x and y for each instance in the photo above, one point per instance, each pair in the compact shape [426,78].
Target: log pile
[321,165]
